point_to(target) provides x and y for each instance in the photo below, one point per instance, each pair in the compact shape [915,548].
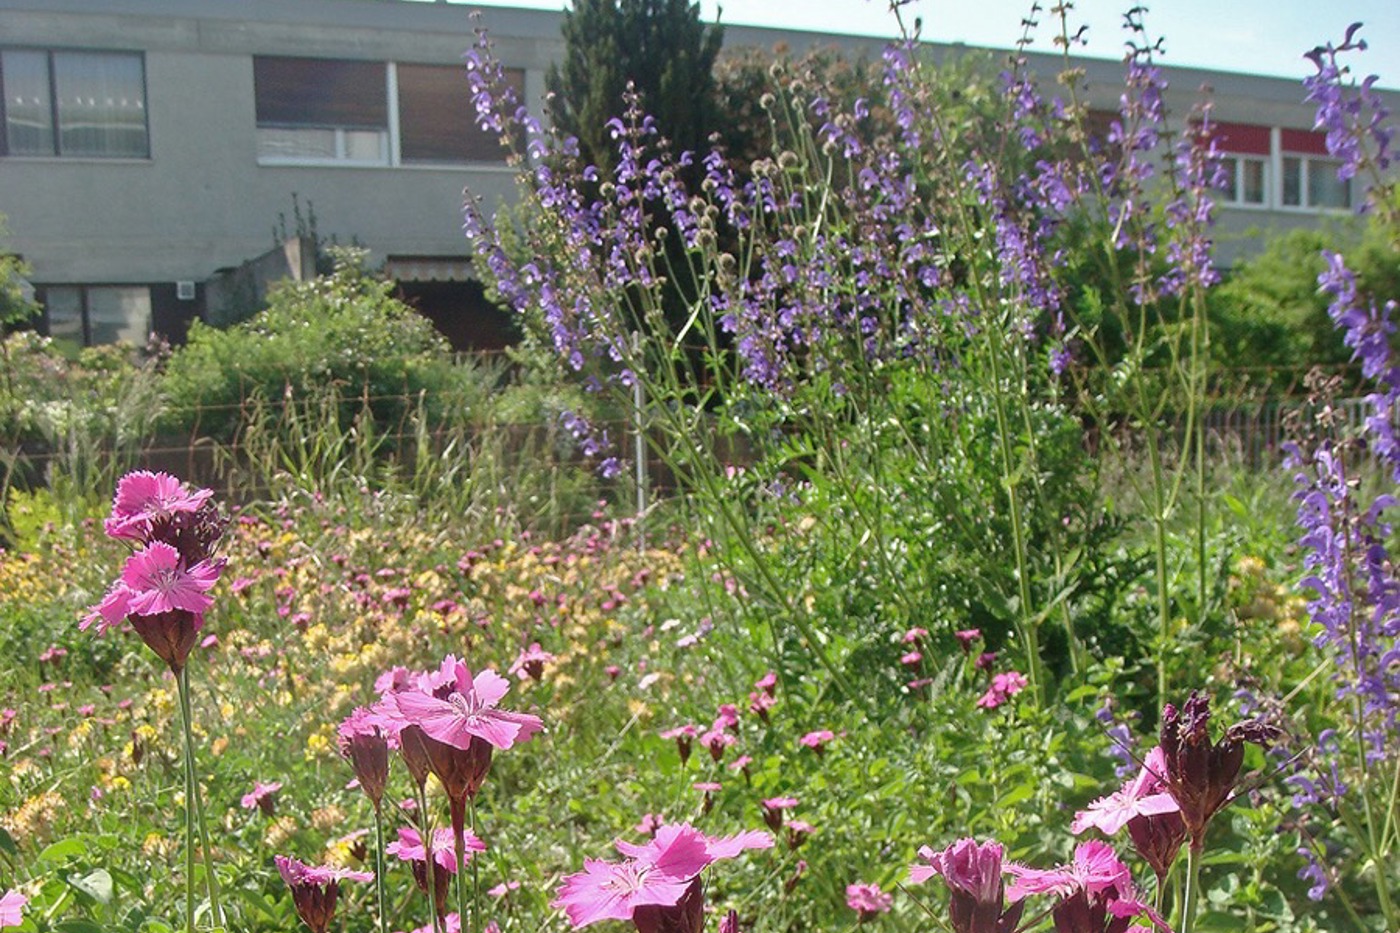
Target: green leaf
[79,926]
[7,844]
[63,850]
[96,884]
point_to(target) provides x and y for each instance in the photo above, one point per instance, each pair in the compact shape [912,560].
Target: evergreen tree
[661,46]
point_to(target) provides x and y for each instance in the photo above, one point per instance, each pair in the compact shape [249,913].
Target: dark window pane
[63,312]
[28,106]
[320,92]
[1292,182]
[1255,190]
[119,313]
[101,104]
[437,121]
[1324,188]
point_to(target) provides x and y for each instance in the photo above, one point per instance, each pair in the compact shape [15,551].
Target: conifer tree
[661,46]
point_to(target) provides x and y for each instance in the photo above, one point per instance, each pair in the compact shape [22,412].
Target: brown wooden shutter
[437,120]
[320,92]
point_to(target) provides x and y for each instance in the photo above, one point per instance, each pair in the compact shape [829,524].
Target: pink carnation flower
[364,742]
[867,900]
[1095,869]
[659,878]
[1142,796]
[531,661]
[817,740]
[1004,686]
[262,797]
[315,889]
[144,498]
[409,847]
[1096,891]
[454,707]
[12,909]
[973,873]
[155,581]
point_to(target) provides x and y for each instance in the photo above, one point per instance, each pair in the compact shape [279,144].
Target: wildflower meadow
[938,607]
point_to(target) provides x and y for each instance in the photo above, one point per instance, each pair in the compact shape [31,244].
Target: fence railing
[1250,434]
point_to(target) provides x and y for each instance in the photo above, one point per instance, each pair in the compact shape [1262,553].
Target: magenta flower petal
[1095,869]
[12,909]
[143,498]
[452,706]
[613,891]
[731,846]
[1144,795]
[111,612]
[159,584]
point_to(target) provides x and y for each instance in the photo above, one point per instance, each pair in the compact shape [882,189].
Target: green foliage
[15,306]
[1270,313]
[661,46]
[73,425]
[344,331]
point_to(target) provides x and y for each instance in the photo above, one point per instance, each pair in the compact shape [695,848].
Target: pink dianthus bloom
[658,885]
[1144,795]
[868,901]
[817,740]
[531,661]
[1096,891]
[364,742]
[144,498]
[409,847]
[1095,869]
[973,873]
[717,741]
[156,581]
[1004,686]
[12,909]
[315,889]
[262,797]
[454,707]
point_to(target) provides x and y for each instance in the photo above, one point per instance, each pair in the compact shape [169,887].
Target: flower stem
[195,799]
[1193,884]
[189,819]
[429,867]
[476,875]
[379,868]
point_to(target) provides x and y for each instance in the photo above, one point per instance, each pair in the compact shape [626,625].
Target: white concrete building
[147,144]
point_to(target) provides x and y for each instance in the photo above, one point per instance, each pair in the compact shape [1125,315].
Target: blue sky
[1257,36]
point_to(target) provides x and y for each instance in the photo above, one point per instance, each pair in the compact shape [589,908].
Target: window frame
[1307,164]
[1238,201]
[391,145]
[84,290]
[55,109]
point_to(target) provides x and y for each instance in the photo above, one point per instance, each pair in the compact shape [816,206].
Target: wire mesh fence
[350,435]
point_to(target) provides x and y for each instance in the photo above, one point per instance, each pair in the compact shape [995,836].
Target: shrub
[344,330]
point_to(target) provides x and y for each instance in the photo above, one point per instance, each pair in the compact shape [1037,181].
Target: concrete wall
[201,201]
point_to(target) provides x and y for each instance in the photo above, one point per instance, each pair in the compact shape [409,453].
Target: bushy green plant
[1269,310]
[344,331]
[73,425]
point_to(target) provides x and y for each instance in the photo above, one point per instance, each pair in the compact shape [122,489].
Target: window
[318,111]
[1245,180]
[1309,176]
[86,315]
[75,104]
[1311,183]
[437,121]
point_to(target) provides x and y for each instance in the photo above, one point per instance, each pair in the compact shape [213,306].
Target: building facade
[149,144]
